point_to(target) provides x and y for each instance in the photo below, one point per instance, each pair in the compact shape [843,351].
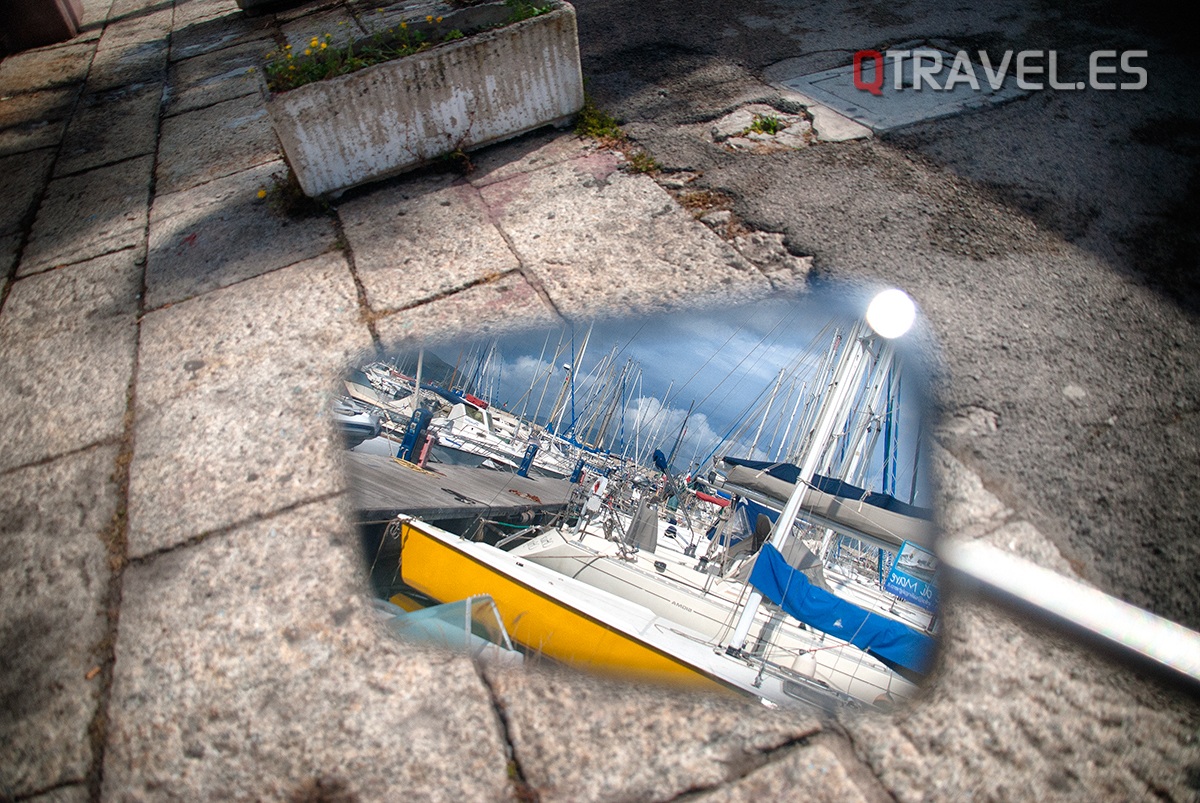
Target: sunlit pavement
[183,609]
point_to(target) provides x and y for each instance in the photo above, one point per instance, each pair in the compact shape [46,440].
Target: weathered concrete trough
[463,94]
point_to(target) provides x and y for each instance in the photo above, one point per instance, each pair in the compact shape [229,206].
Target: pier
[383,488]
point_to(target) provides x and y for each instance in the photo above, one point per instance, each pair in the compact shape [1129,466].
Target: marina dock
[384,488]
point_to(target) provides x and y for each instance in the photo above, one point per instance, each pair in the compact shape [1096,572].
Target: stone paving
[183,607]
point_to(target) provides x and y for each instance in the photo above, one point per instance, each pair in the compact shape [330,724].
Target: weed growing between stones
[594,123]
[459,161]
[640,161]
[285,198]
[765,124]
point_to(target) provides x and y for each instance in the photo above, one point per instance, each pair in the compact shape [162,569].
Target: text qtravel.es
[1034,69]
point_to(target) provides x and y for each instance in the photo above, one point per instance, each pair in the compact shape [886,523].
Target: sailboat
[629,607]
[586,627]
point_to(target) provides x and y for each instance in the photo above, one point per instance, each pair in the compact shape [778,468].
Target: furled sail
[892,642]
[873,515]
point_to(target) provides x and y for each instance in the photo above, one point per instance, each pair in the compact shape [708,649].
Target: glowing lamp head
[891,313]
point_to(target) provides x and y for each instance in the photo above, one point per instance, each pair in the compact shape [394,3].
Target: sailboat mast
[766,412]
[832,413]
[417,387]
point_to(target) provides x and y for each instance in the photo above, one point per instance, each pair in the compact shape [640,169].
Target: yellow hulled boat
[553,615]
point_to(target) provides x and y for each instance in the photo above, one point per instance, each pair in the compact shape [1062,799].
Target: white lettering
[897,58]
[1095,69]
[1024,69]
[995,77]
[921,73]
[1129,68]
[961,72]
[1052,73]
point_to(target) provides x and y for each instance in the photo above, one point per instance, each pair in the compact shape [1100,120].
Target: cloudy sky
[723,363]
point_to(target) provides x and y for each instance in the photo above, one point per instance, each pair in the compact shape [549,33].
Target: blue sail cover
[896,644]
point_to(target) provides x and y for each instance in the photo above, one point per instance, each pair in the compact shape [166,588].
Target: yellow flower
[287,47]
[262,193]
[291,66]
[429,18]
[314,41]
[250,69]
[403,25]
[324,45]
[439,19]
[308,51]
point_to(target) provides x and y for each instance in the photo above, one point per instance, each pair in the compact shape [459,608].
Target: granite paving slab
[503,304]
[338,22]
[814,769]
[1017,713]
[269,677]
[45,68]
[95,12]
[220,233]
[569,731]
[139,28]
[232,391]
[25,175]
[525,154]
[213,77]
[212,142]
[303,9]
[421,238]
[64,794]
[54,579]
[35,120]
[599,238]
[128,66]
[123,9]
[110,127]
[90,214]
[68,338]
[195,38]
[8,256]
[198,10]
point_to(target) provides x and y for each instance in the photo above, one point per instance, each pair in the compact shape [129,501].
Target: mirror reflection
[733,500]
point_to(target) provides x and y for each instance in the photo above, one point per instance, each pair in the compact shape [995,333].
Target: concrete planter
[464,94]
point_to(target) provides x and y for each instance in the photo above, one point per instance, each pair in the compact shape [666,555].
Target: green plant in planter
[286,69]
[523,9]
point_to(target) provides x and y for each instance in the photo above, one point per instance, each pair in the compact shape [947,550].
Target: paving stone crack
[116,539]
[4,798]
[169,304]
[60,455]
[187,543]
[744,765]
[839,741]
[368,315]
[524,270]
[64,265]
[445,294]
[521,788]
